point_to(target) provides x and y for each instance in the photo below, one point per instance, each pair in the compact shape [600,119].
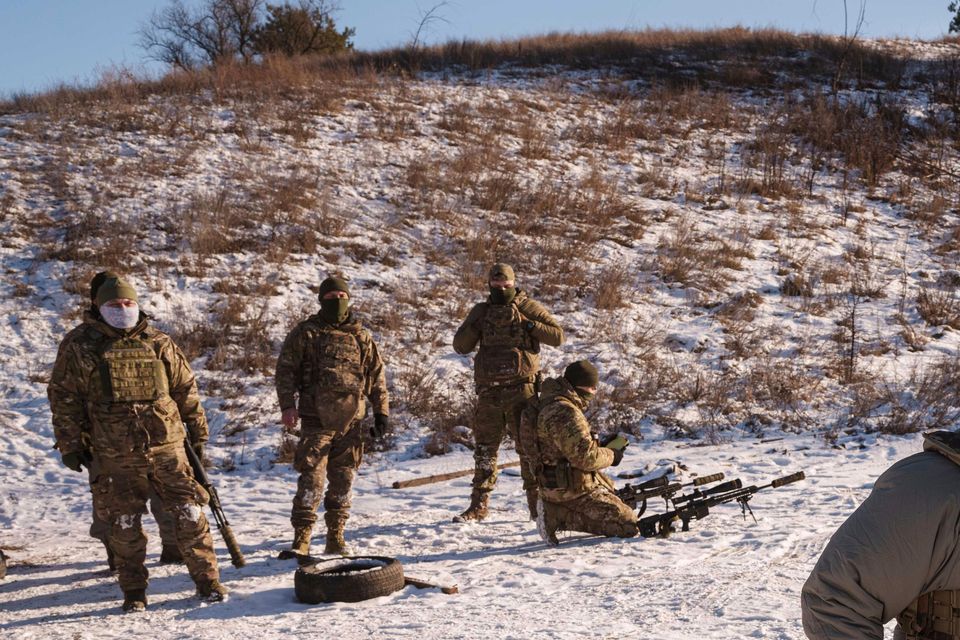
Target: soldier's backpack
[528,443]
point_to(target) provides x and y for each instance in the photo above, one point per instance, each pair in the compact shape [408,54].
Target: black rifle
[636,496]
[698,507]
[236,556]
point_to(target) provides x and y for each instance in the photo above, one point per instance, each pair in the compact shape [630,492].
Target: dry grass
[939,306]
[928,399]
[446,409]
[235,336]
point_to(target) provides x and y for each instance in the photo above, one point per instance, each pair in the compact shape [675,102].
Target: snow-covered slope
[759,300]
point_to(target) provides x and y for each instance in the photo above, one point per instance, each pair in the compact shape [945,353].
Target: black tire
[349,579]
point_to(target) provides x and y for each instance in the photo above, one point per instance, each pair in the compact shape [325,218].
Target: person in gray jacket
[896,556]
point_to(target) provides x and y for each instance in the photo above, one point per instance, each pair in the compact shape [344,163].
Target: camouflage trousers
[599,512]
[120,495]
[498,414]
[331,456]
[100,529]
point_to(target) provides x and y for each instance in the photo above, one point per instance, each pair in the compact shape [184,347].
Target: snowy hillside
[754,237]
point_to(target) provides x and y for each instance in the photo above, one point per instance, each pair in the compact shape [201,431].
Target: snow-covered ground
[631,210]
[726,578]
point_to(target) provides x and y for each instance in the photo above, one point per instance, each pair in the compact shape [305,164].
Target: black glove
[618,455]
[381,424]
[75,460]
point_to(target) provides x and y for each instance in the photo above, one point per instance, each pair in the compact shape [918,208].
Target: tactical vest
[337,365]
[130,371]
[502,343]
[932,616]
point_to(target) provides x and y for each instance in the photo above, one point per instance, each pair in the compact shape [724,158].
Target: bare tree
[849,39]
[216,31]
[427,20]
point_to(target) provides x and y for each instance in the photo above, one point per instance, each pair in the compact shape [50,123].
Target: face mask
[121,317]
[502,296]
[586,396]
[335,310]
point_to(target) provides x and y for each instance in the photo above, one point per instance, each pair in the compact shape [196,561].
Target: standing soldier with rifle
[126,390]
[575,495]
[169,552]
[328,365]
[509,328]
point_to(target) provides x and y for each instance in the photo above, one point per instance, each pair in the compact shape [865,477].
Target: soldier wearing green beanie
[575,495]
[328,366]
[507,330]
[98,528]
[123,400]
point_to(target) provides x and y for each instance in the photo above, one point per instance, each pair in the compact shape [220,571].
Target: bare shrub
[613,284]
[235,336]
[797,285]
[768,154]
[939,306]
[784,386]
[214,223]
[691,259]
[928,399]
[535,143]
[868,135]
[446,409]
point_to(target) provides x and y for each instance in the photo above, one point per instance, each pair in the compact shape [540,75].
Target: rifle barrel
[702,480]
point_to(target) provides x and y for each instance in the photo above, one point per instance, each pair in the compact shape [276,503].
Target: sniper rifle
[697,506]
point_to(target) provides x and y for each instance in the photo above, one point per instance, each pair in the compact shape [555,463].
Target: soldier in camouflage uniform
[98,528]
[575,496]
[509,329]
[328,365]
[120,394]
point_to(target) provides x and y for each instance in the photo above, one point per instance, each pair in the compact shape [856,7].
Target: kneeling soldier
[327,366]
[127,389]
[574,495]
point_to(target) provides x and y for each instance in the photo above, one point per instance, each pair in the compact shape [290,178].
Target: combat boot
[336,545]
[532,496]
[477,510]
[170,554]
[134,600]
[301,540]
[547,525]
[212,591]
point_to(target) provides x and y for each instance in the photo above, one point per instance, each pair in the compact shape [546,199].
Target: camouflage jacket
[565,442]
[509,338]
[117,405]
[327,370]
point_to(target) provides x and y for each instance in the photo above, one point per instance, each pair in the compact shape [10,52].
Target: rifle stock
[236,556]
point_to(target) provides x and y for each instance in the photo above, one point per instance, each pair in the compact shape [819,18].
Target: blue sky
[46,42]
